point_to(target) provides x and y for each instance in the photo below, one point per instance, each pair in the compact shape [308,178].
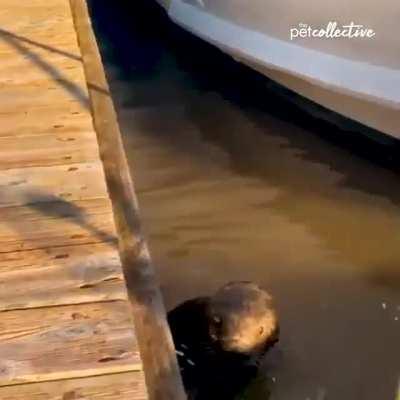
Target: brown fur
[242,319]
[220,339]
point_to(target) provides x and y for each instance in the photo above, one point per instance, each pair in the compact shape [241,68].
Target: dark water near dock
[234,183]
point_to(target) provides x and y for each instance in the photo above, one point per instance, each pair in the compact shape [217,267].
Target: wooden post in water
[163,379]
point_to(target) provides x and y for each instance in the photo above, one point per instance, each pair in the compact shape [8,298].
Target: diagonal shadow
[53,207]
[6,34]
[16,41]
[39,202]
[71,87]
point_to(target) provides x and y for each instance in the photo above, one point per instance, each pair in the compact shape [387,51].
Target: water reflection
[234,183]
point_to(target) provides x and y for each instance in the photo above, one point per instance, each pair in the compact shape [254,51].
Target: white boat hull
[358,77]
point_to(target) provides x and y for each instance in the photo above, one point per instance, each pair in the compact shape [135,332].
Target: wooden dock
[70,242]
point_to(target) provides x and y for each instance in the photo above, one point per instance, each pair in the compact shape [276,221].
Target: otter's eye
[261,331]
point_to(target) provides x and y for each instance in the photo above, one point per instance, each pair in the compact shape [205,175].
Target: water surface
[236,184]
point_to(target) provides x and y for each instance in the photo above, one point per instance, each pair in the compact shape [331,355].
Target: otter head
[242,319]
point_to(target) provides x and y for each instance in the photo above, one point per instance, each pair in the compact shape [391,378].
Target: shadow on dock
[53,207]
[19,43]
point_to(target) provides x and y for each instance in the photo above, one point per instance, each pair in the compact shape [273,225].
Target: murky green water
[235,184]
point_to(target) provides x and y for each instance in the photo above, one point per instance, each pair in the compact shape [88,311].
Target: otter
[221,339]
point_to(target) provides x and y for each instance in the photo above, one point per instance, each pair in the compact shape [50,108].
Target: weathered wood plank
[32,60]
[53,86]
[25,101]
[59,223]
[66,49]
[36,9]
[21,8]
[154,338]
[63,308]
[22,186]
[66,342]
[30,72]
[38,26]
[28,120]
[12,41]
[36,18]
[60,276]
[33,18]
[38,59]
[55,77]
[43,25]
[40,44]
[47,150]
[68,53]
[123,386]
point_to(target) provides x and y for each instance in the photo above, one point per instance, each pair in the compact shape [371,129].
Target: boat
[343,56]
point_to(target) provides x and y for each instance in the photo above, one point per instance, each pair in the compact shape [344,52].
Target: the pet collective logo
[332,31]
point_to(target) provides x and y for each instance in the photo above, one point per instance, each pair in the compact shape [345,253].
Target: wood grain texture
[65,342]
[40,119]
[50,22]
[54,92]
[55,224]
[66,48]
[60,276]
[123,386]
[154,338]
[21,71]
[38,37]
[41,76]
[22,186]
[64,312]
[48,150]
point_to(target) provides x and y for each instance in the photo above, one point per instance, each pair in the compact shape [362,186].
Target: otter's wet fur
[221,339]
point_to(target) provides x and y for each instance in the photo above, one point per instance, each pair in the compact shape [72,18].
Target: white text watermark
[332,31]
